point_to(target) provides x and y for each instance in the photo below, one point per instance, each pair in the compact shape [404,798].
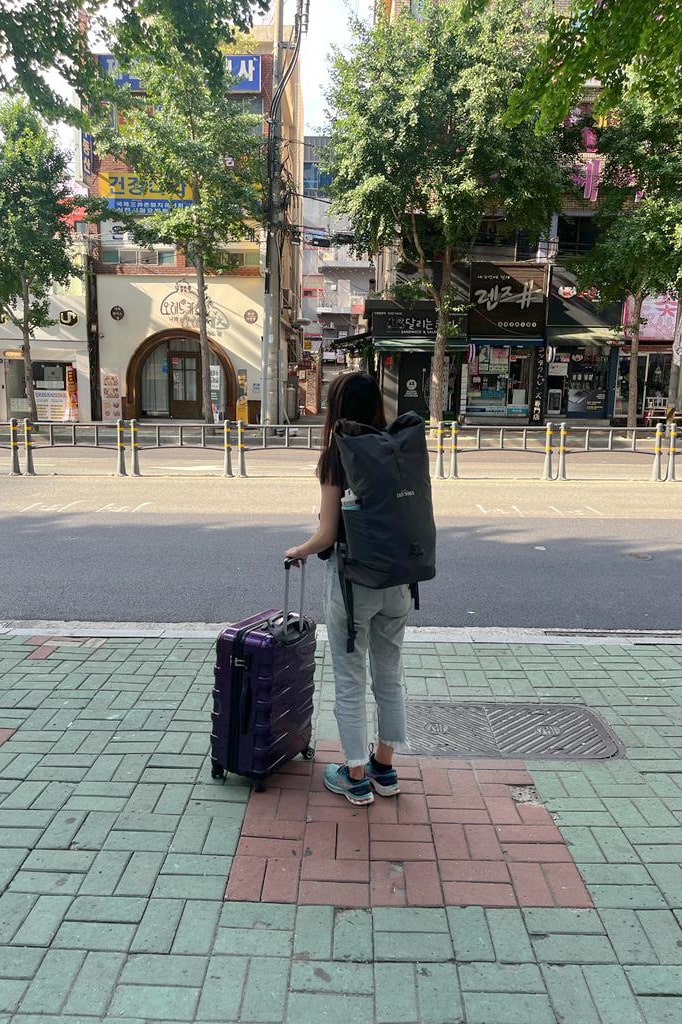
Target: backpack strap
[347,594]
[414,593]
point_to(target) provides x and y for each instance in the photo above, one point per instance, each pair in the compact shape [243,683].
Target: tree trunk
[29,387]
[203,340]
[437,388]
[634,353]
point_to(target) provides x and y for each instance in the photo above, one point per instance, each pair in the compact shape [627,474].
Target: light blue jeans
[380,619]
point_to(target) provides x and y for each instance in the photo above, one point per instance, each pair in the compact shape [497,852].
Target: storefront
[505,376]
[403,343]
[60,363]
[654,361]
[150,357]
[582,351]
[500,379]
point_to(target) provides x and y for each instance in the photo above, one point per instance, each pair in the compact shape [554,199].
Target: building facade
[148,360]
[61,356]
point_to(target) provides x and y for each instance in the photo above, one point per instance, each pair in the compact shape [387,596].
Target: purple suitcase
[263,693]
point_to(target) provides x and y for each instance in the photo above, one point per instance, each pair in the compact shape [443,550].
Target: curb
[413,634]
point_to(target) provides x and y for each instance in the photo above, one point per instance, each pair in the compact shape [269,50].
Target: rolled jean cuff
[400,747]
[355,763]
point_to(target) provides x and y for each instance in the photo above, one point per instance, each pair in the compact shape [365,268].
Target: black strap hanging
[414,593]
[347,594]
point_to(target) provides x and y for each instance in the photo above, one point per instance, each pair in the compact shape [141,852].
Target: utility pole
[275,227]
[272,320]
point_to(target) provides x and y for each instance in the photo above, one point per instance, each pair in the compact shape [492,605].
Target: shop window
[252,259]
[577,234]
[653,380]
[166,257]
[578,382]
[499,381]
[109,255]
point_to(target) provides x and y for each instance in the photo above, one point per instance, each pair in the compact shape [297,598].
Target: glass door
[185,372]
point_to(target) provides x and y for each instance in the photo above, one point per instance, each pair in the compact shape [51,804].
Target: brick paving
[115,848]
[458,836]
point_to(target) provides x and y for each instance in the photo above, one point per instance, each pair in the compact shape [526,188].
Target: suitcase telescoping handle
[288,562]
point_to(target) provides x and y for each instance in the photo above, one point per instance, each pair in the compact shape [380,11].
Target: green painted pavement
[115,846]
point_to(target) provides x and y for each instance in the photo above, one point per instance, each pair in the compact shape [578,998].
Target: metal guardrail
[569,442]
[558,444]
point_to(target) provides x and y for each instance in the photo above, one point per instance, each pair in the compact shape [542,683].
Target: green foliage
[418,132]
[35,202]
[420,149]
[38,36]
[622,43]
[640,211]
[188,132]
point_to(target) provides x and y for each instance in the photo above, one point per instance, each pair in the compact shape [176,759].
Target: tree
[40,36]
[619,42]
[36,211]
[419,149]
[639,250]
[187,133]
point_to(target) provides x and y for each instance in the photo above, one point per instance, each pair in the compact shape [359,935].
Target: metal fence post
[134,449]
[227,446]
[670,475]
[440,469]
[658,448]
[563,434]
[241,458]
[28,445]
[454,474]
[121,445]
[547,473]
[15,468]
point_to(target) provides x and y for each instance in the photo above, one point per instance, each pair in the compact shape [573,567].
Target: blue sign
[111,66]
[87,156]
[246,68]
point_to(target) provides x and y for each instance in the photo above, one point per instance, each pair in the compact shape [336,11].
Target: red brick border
[454,837]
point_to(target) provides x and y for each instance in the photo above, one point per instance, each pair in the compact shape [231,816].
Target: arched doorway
[164,378]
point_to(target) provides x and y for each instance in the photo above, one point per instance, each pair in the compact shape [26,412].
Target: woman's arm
[327,532]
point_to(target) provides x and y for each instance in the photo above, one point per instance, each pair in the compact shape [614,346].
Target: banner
[128,192]
[507,300]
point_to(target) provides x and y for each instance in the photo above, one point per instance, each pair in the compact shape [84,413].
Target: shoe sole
[384,790]
[362,801]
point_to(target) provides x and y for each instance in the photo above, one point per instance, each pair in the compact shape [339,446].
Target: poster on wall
[51,405]
[111,397]
[657,320]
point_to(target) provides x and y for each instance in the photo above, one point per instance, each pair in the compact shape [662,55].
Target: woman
[380,618]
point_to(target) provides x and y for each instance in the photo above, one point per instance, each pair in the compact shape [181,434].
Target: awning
[600,337]
[418,344]
[510,342]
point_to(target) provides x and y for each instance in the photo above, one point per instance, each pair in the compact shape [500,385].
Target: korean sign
[128,192]
[111,66]
[403,324]
[247,70]
[507,301]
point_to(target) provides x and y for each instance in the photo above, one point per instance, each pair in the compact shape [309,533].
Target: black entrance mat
[549,731]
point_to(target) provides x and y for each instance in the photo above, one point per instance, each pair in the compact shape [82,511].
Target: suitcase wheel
[259,786]
[217,770]
[308,753]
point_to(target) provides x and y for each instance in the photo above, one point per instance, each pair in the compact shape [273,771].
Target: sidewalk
[490,892]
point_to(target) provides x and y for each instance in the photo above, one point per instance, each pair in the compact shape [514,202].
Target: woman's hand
[297,559]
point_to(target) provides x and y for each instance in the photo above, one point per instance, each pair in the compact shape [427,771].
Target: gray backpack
[390,533]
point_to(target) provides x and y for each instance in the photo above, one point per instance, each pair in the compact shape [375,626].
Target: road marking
[575,512]
[38,506]
[122,508]
[513,511]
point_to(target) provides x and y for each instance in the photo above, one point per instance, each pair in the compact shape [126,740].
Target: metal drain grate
[549,731]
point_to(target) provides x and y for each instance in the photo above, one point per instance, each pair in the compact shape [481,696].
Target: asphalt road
[514,554]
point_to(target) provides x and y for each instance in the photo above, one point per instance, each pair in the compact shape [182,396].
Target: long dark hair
[352,396]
